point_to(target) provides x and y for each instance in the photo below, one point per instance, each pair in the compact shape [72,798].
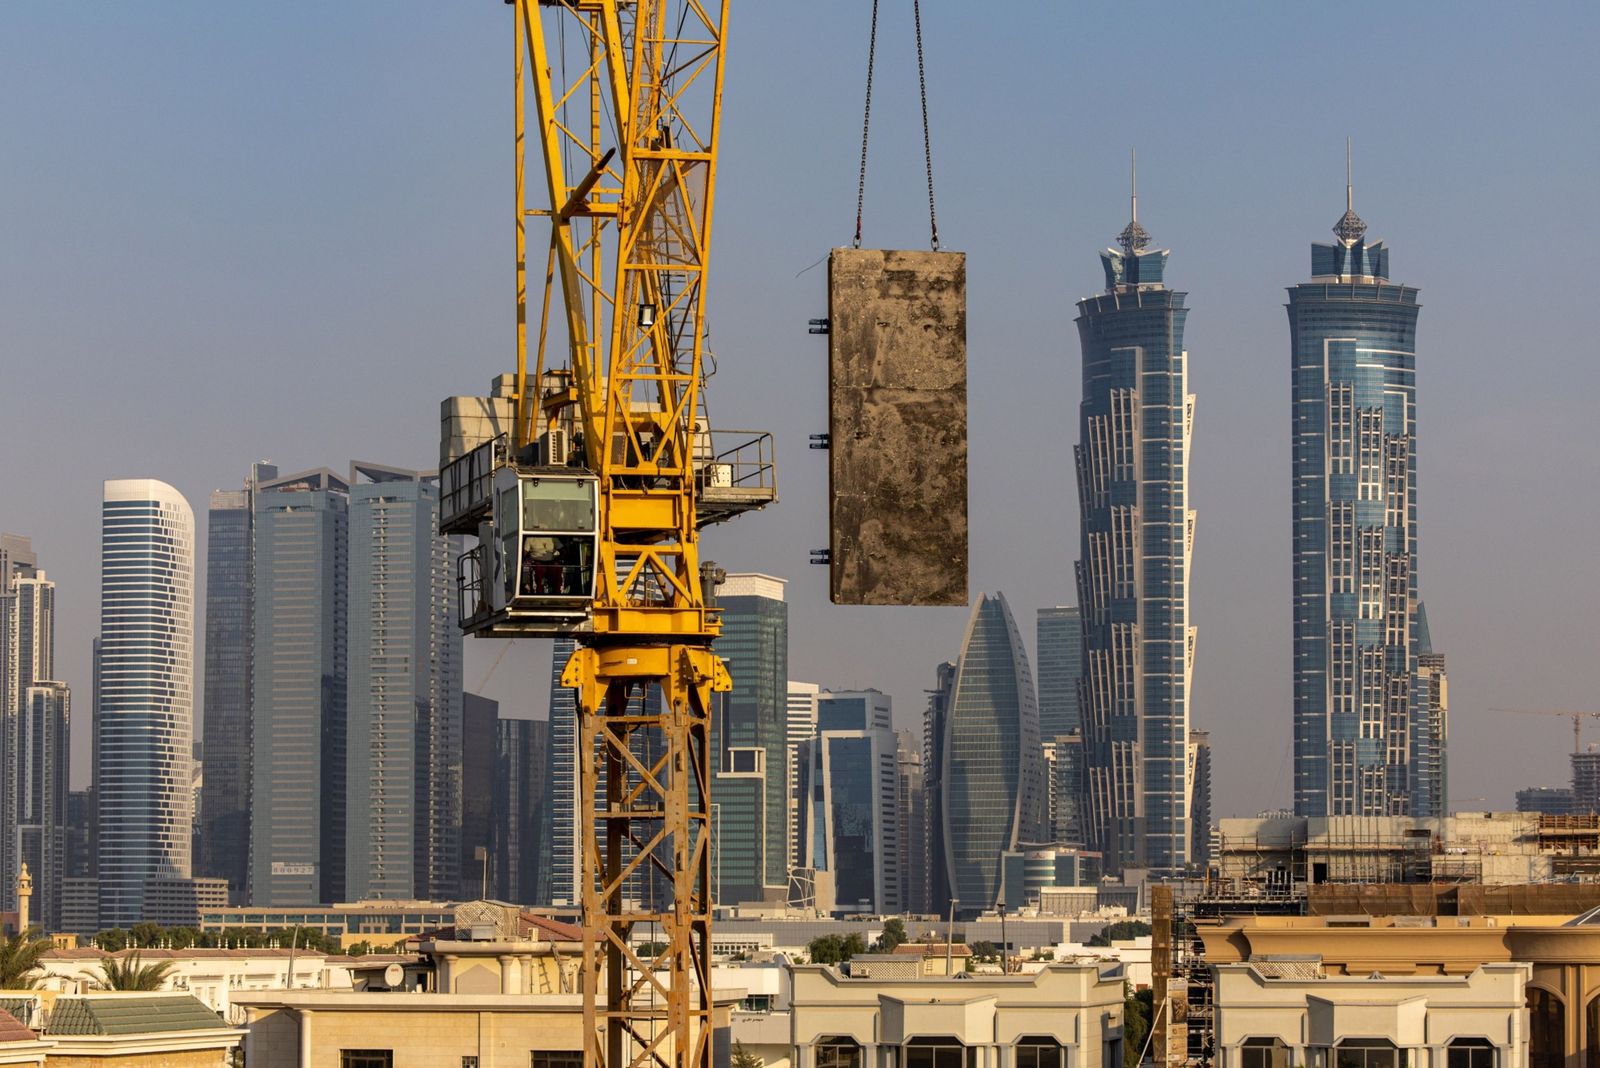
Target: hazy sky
[230,232]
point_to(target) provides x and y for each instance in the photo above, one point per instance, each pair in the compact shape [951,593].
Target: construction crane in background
[587,477]
[1577,718]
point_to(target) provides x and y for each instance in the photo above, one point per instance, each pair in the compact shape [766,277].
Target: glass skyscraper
[230,589]
[300,658]
[1060,647]
[850,823]
[935,721]
[1357,713]
[749,743]
[560,880]
[144,700]
[17,561]
[561,876]
[1137,533]
[35,721]
[403,799]
[992,775]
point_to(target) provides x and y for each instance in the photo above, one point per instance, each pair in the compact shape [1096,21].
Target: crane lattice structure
[587,511]
[1577,718]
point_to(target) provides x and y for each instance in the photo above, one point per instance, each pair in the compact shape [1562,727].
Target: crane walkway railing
[736,471]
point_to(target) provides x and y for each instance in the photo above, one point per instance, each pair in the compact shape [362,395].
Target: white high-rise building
[144,699]
[800,725]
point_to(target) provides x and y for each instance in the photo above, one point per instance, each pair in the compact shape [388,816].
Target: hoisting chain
[927,143]
[866,124]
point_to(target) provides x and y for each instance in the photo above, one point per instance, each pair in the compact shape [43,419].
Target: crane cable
[866,124]
[927,142]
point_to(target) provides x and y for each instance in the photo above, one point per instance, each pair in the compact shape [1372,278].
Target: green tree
[19,959]
[1120,931]
[182,937]
[982,950]
[112,939]
[835,949]
[131,973]
[894,935]
[1135,1024]
[743,1058]
[145,935]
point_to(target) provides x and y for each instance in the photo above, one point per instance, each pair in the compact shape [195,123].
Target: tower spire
[1349,228]
[1133,237]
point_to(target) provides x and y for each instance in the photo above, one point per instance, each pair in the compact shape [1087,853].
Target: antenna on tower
[1349,180]
[1133,181]
[1133,236]
[1349,228]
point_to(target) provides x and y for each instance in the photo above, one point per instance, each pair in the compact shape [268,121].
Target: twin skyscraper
[1369,739]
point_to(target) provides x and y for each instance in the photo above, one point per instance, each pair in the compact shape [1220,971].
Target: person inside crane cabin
[541,565]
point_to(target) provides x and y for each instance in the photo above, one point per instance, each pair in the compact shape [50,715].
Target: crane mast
[587,494]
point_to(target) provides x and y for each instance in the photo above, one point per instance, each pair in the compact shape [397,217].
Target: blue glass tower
[749,736]
[1357,719]
[1060,645]
[1137,532]
[991,765]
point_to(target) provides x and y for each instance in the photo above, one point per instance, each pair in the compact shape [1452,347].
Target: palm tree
[129,973]
[19,959]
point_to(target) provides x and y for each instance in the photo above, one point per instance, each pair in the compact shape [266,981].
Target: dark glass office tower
[1137,531]
[1060,644]
[229,624]
[992,774]
[749,738]
[935,720]
[1353,364]
[519,817]
[299,678]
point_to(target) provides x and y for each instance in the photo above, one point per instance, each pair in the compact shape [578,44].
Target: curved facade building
[992,770]
[1137,535]
[1360,734]
[144,695]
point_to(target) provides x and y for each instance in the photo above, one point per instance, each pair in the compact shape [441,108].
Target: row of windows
[1362,1053]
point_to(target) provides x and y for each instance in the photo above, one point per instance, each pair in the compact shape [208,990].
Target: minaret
[24,898]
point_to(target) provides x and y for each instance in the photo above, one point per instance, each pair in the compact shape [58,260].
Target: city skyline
[1271,189]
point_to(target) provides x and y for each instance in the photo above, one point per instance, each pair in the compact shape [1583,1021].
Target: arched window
[1547,1027]
[838,1051]
[1040,1051]
[1263,1053]
[1470,1053]
[1368,1053]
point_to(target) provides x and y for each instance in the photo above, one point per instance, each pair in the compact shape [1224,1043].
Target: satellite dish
[393,975]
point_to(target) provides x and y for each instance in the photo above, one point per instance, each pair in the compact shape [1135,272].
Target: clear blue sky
[230,232]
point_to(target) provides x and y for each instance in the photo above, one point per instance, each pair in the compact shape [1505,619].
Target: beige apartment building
[1063,1016]
[1561,955]
[1281,1013]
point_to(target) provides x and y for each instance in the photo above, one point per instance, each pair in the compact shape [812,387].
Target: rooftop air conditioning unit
[554,447]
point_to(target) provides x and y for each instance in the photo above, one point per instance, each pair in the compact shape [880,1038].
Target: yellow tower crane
[588,489]
[1577,718]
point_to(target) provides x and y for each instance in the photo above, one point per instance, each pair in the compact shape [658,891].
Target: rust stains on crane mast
[586,481]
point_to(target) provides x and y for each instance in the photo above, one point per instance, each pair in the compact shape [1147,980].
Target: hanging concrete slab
[897,420]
